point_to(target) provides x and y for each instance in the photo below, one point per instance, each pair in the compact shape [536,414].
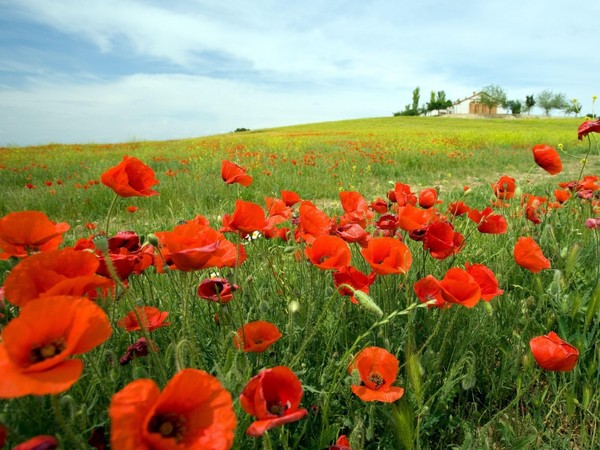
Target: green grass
[470,380]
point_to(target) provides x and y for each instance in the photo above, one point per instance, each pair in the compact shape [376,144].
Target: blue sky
[121,70]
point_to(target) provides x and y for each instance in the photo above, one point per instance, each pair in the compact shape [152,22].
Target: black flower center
[168,425]
[47,351]
[376,379]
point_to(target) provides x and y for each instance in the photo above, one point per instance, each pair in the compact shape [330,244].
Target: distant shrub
[241,130]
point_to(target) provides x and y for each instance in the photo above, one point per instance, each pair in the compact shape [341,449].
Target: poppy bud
[101,242]
[153,239]
[367,302]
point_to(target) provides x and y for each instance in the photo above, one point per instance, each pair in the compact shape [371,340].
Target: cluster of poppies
[194,410]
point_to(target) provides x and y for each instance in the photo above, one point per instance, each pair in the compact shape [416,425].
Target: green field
[469,377]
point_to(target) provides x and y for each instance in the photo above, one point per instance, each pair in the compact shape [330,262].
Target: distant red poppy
[378,369]
[132,209]
[554,354]
[26,232]
[458,286]
[353,233]
[59,272]
[273,397]
[42,442]
[587,127]
[232,173]
[562,195]
[256,337]
[130,178]
[290,198]
[387,255]
[355,278]
[547,158]
[328,252]
[528,254]
[505,187]
[193,411]
[216,289]
[146,318]
[486,279]
[35,352]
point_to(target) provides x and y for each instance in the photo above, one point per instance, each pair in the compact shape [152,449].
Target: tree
[514,106]
[529,103]
[416,96]
[574,107]
[438,101]
[548,101]
[492,96]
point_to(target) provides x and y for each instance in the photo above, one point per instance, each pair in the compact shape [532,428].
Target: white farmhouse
[471,105]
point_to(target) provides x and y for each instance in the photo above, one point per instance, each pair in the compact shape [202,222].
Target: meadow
[400,312]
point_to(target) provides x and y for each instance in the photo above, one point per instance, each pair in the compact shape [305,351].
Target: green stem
[110,210]
[75,440]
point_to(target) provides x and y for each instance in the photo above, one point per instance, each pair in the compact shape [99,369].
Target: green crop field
[371,258]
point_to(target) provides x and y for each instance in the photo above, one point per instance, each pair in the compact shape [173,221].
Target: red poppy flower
[25,232]
[232,173]
[132,209]
[402,195]
[378,369]
[256,337]
[379,205]
[313,222]
[290,198]
[137,350]
[486,279]
[42,442]
[355,278]
[428,198]
[193,411]
[216,289]
[587,127]
[488,222]
[192,246]
[341,444]
[356,208]
[427,289]
[441,240]
[552,353]
[147,318]
[458,208]
[329,252]
[35,353]
[528,255]
[505,188]
[547,158]
[246,218]
[353,233]
[458,286]
[59,272]
[130,178]
[273,397]
[387,225]
[411,218]
[562,195]
[387,255]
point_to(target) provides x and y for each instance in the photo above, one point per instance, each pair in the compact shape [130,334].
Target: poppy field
[394,283]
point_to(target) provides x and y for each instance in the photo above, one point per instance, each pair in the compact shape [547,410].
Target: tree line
[493,96]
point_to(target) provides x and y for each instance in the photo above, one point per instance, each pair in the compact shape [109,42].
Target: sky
[100,71]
